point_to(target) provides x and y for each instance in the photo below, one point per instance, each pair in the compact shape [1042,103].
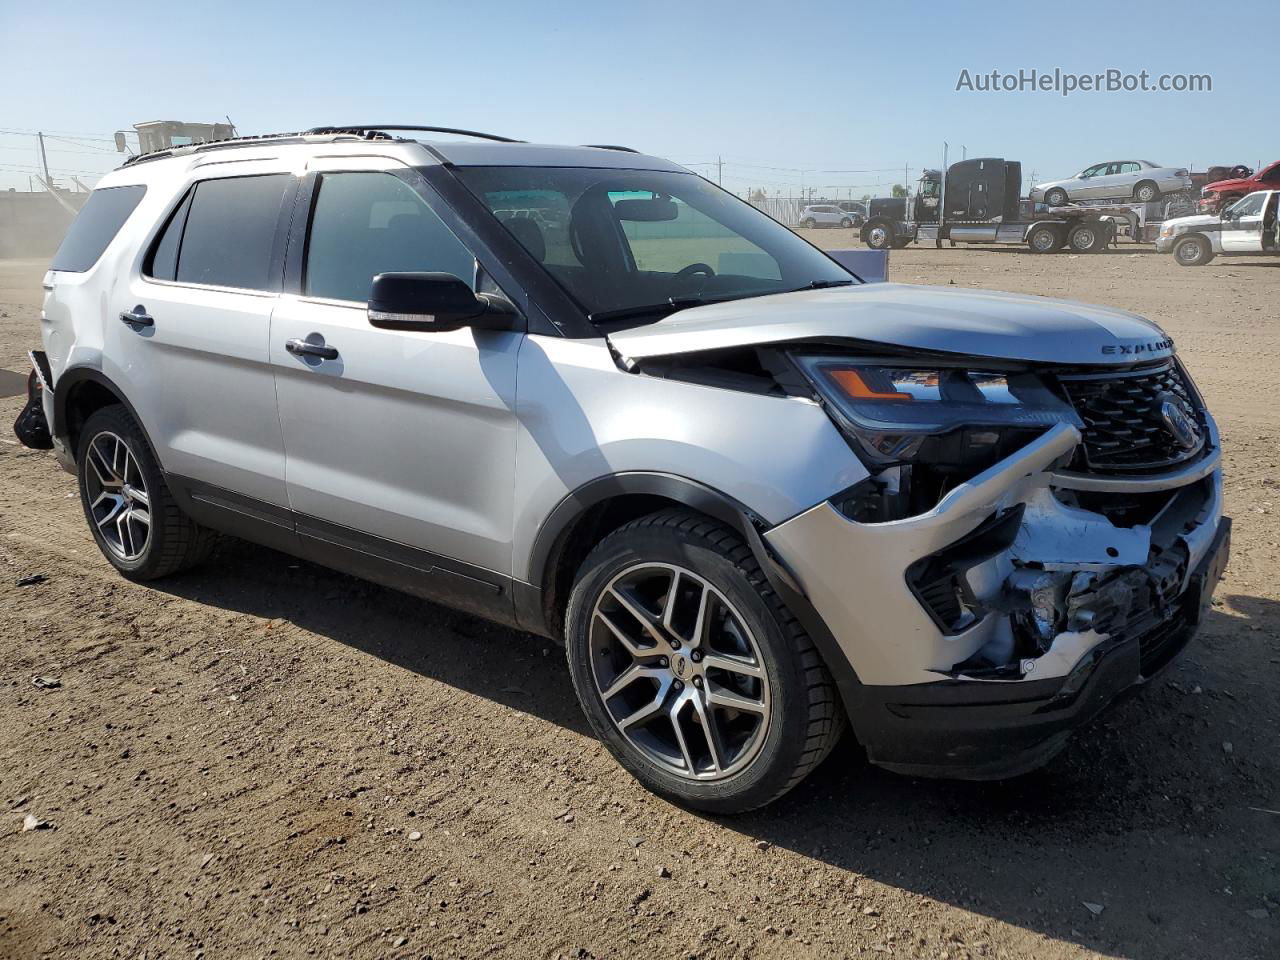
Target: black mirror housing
[429,301]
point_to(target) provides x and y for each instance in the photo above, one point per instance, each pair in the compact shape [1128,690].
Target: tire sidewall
[772,768]
[116,420]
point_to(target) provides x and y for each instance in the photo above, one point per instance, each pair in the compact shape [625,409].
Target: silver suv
[586,393]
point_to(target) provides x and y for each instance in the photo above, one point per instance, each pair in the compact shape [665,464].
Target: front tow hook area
[31,427]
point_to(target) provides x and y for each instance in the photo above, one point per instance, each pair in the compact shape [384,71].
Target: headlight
[1166,231]
[893,409]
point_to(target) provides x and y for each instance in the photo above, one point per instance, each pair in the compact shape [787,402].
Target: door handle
[137,317]
[305,348]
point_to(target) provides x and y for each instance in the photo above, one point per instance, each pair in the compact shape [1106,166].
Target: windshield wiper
[670,305]
[824,284]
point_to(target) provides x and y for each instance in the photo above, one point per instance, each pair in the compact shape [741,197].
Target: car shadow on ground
[1129,818]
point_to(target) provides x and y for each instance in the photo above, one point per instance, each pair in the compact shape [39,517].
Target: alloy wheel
[117,496]
[679,672]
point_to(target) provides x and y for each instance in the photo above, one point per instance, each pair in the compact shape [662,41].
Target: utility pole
[44,160]
[720,170]
[964,152]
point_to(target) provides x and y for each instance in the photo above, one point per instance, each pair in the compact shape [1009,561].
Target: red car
[1215,196]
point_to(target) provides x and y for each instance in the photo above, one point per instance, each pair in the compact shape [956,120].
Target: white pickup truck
[1250,226]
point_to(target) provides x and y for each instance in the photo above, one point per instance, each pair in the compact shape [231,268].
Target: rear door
[194,350]
[399,450]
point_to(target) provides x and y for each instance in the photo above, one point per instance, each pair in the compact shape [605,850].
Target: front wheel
[846,223]
[1056,197]
[131,513]
[1193,251]
[879,236]
[690,669]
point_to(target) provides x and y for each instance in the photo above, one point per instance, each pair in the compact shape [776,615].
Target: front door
[1242,228]
[399,445]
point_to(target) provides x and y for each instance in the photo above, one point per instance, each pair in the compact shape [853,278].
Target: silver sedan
[1139,180]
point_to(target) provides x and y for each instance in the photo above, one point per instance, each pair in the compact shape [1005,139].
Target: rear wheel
[690,669]
[807,223]
[131,513]
[1087,238]
[1193,251]
[1044,239]
[1146,191]
[846,223]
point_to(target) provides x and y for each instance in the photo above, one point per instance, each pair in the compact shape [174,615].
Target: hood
[1199,220]
[1050,184]
[981,323]
[1239,183]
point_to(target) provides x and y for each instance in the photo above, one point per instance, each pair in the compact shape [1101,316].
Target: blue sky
[780,91]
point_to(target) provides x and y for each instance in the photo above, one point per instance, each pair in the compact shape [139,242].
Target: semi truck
[980,202]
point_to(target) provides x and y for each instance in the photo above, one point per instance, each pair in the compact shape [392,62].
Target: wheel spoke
[101,468]
[645,618]
[112,514]
[711,733]
[139,496]
[702,621]
[720,661]
[720,697]
[142,516]
[632,647]
[649,710]
[629,676]
[674,714]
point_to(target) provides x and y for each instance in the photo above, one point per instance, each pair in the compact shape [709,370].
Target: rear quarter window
[97,224]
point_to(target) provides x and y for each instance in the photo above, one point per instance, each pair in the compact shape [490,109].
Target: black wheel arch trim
[529,596]
[74,376]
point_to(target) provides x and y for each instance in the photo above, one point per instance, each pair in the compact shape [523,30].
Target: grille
[1125,422]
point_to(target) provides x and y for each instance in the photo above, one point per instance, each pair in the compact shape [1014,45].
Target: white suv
[825,215]
[586,393]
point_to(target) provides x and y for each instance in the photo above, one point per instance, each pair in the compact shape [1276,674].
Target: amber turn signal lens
[852,383]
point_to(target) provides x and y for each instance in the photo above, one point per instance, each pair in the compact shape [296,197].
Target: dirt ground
[264,758]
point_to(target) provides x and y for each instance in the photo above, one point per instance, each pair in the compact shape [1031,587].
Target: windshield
[642,242]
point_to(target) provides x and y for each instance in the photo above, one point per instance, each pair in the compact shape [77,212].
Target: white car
[1139,180]
[1248,226]
[825,215]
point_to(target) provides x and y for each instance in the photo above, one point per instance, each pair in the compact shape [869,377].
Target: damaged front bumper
[985,630]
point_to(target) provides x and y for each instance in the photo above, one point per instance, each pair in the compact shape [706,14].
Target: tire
[807,224]
[1057,197]
[1193,251]
[1146,192]
[1044,239]
[1087,238]
[846,223]
[878,235]
[120,485]
[795,717]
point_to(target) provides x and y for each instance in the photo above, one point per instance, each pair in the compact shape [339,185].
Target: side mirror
[432,302]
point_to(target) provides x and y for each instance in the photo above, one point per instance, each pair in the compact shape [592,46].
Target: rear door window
[230,232]
[97,224]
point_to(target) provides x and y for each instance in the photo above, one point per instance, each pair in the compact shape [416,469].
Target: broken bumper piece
[983,632]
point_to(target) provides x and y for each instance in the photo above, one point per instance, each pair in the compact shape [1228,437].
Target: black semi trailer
[980,203]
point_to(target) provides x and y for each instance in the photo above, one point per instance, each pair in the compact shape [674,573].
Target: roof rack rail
[263,138]
[609,146]
[373,128]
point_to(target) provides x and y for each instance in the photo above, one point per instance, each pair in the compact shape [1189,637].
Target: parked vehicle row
[586,393]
